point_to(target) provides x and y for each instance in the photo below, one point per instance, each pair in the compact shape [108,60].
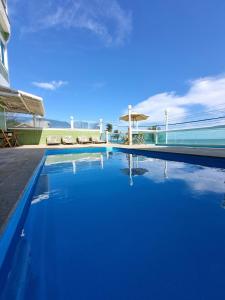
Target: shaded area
[16,168]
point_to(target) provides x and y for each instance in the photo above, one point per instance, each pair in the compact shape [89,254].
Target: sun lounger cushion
[68,139]
[96,140]
[83,140]
[53,140]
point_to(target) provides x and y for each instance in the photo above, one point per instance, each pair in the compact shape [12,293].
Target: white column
[72,122]
[130,124]
[6,58]
[107,136]
[34,121]
[100,126]
[166,123]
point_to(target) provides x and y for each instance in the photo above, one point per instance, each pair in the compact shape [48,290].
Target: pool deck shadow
[18,164]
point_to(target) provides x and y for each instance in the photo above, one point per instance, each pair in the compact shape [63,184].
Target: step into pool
[115,224]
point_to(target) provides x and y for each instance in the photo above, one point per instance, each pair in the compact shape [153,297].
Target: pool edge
[15,219]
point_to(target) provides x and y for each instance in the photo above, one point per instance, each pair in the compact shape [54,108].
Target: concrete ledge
[210,152]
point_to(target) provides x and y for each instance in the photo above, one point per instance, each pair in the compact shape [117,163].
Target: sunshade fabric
[134,117]
[21,102]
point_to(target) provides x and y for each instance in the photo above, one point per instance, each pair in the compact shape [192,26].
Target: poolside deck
[18,164]
[16,167]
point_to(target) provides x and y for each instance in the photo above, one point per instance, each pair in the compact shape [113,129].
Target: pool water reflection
[116,225]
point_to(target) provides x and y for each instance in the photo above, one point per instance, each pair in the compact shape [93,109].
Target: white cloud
[52,85]
[199,178]
[104,18]
[206,93]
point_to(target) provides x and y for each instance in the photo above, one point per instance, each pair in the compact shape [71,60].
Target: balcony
[4,20]
[4,2]
[4,72]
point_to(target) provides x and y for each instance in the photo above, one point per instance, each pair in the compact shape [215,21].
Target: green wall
[36,137]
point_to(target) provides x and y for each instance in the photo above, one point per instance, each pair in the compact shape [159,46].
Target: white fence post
[166,122]
[130,125]
[107,136]
[71,122]
[100,126]
[34,121]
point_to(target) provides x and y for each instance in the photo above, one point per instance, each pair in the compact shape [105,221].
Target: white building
[4,38]
[12,101]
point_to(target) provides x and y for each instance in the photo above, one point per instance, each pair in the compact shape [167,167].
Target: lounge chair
[68,140]
[96,140]
[6,138]
[83,140]
[53,140]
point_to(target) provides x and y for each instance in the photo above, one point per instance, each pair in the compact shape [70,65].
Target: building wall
[4,37]
[38,136]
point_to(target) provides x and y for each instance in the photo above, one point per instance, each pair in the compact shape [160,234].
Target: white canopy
[21,102]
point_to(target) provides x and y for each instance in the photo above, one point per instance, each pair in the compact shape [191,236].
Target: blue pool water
[112,225]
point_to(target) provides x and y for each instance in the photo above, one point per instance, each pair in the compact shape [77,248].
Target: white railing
[24,121]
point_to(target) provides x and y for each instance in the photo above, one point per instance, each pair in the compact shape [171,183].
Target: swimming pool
[118,224]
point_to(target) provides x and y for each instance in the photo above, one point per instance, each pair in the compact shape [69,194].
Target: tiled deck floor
[16,167]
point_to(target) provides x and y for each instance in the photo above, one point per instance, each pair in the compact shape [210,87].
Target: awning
[21,102]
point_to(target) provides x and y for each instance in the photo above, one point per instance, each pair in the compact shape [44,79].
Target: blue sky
[91,58]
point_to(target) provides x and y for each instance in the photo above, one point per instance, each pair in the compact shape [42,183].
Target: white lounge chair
[68,140]
[83,140]
[53,140]
[96,140]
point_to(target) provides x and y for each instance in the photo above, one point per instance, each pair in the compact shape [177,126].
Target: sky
[91,58]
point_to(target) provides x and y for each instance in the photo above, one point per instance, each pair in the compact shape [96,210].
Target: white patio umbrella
[135,117]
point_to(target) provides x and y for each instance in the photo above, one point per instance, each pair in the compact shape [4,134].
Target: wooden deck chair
[6,138]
